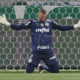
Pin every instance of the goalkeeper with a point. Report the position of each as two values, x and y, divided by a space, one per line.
41 33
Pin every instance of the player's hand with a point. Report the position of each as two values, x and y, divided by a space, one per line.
77 25
4 21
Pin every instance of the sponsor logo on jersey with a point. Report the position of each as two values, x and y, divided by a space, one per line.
43 47
42 30
42 25
47 24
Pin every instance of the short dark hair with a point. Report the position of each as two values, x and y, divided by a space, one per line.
43 11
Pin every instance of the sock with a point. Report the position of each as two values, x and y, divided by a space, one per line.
43 67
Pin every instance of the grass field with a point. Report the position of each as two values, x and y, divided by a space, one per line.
37 76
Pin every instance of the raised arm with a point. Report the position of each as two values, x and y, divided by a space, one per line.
4 21
64 28
21 26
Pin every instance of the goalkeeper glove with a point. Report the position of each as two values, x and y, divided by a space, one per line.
4 21
77 25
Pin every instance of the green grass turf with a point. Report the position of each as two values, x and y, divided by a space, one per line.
38 76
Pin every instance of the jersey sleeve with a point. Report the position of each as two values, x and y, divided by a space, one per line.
60 27
21 26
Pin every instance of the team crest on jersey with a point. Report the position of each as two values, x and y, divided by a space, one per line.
47 24
42 25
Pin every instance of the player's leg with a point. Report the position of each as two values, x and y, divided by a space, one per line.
54 68
33 62
50 68
30 68
51 62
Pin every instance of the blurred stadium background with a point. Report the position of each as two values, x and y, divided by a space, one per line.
15 46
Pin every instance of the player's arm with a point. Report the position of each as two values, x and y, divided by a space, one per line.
21 26
4 21
64 28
